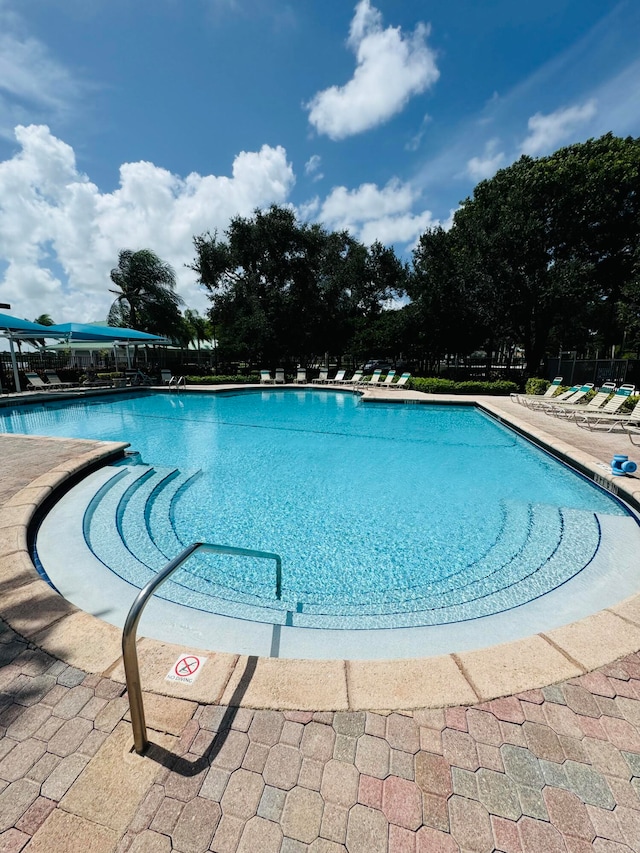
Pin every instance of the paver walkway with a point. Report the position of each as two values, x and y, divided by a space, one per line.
556 769
549 770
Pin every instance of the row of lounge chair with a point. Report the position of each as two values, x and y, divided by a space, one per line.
602 410
339 379
53 383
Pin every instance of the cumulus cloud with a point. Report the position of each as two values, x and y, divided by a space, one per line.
60 236
371 213
390 68
547 132
479 168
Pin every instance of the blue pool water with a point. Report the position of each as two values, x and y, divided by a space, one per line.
385 515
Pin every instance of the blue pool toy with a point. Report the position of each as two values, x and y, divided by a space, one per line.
621 465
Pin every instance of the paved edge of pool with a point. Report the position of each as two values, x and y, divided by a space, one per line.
39 614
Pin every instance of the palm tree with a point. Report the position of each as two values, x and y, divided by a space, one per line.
44 320
199 327
146 297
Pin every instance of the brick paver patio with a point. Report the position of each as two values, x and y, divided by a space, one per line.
546 770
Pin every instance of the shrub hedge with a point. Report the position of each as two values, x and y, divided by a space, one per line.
253 379
535 385
432 385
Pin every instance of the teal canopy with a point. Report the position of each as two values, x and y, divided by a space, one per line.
105 334
25 329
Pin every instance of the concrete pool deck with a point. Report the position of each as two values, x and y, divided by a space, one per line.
530 746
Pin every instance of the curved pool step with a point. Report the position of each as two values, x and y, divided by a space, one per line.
133 512
100 522
159 514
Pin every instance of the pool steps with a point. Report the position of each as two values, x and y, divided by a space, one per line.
138 501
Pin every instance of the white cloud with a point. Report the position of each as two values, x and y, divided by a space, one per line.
312 168
370 213
60 236
479 168
32 81
546 132
390 68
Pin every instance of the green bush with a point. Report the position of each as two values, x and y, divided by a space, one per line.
629 403
536 386
432 385
254 379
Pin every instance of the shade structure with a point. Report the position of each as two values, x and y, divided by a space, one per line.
107 334
25 329
14 328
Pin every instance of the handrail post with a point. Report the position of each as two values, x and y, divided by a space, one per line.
129 650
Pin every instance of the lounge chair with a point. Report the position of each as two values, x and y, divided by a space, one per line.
388 379
629 420
266 378
550 392
337 379
37 384
373 380
322 377
356 379
166 376
53 379
574 402
402 381
279 380
572 406
610 409
301 376
535 401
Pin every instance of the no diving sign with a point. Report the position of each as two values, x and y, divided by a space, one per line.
186 669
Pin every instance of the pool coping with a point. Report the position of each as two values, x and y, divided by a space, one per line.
39 614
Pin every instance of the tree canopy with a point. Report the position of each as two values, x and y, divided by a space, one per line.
543 250
281 290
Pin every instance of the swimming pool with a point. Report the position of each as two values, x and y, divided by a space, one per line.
387 517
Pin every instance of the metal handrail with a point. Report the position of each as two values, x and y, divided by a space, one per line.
177 381
129 651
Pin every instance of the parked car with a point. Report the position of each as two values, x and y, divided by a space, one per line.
377 364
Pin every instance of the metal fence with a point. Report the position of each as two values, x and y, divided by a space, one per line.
576 371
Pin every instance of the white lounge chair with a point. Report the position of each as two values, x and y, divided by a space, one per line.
266 378
337 379
535 401
322 377
54 379
355 379
402 381
279 380
630 420
603 415
551 390
37 384
301 376
572 407
373 380
388 379
574 402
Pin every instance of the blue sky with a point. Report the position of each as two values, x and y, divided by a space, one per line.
137 124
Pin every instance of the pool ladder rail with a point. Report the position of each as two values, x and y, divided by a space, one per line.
177 382
129 650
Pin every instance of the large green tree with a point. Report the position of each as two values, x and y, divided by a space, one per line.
146 297
284 291
548 243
